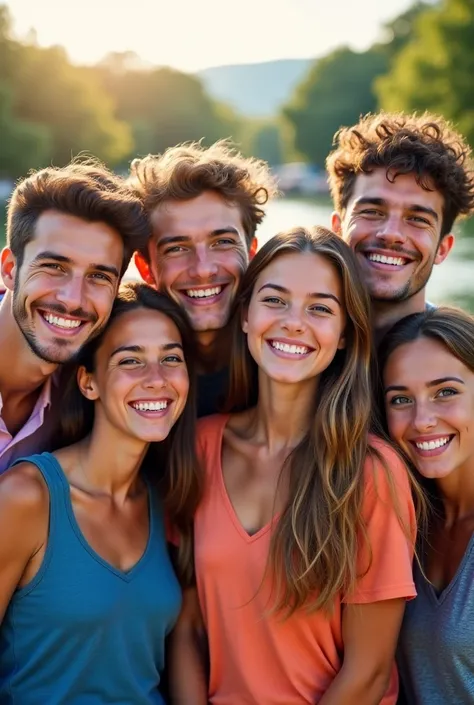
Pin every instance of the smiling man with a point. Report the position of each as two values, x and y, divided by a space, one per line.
204 206
398 184
70 235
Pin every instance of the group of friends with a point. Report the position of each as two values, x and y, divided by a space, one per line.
308 539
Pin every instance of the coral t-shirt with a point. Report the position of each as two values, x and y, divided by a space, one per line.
262 659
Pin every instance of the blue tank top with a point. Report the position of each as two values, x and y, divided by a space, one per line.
83 632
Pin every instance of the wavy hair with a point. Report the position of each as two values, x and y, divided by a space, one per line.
180 479
424 145
189 169
314 545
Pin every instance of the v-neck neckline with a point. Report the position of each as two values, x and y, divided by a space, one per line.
440 597
248 538
125 575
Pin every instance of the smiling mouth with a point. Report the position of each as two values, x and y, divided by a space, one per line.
60 323
290 349
204 293
150 407
394 261
433 446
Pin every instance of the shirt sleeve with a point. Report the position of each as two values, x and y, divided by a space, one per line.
385 556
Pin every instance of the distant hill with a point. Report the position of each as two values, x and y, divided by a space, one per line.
257 90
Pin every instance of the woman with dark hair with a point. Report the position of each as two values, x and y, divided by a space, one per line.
304 536
87 590
427 361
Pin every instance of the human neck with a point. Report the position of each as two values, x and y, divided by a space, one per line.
213 350
283 413
386 313
457 494
108 463
29 372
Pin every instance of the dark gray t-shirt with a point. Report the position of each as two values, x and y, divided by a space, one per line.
436 647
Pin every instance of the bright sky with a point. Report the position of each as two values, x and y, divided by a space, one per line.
194 34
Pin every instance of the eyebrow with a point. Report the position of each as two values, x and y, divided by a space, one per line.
140 348
414 207
433 383
179 239
313 295
51 255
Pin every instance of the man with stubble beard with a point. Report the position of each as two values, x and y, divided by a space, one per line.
398 183
71 232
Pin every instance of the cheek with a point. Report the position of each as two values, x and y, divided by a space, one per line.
235 262
397 424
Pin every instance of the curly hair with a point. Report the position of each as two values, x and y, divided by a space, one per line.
189 169
424 145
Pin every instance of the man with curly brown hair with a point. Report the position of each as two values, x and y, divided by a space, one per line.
398 184
204 206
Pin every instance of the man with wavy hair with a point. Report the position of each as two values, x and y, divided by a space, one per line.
204 206
398 183
71 232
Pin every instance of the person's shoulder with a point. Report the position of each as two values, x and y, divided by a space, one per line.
23 490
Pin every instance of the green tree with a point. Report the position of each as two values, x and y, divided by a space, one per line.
435 70
336 91
25 145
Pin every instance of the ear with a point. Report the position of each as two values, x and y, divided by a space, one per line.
444 248
8 268
144 268
253 248
86 384
245 321
342 342
336 223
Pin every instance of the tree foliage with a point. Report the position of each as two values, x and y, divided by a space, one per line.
435 70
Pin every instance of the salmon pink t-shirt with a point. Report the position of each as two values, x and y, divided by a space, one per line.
262 659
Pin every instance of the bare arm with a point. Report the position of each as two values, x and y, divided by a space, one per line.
370 633
24 516
188 681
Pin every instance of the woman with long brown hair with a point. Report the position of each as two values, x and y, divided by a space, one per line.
304 536
87 590
427 361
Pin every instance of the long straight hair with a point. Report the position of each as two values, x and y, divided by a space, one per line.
314 544
172 464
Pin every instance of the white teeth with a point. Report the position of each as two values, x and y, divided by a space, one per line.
373 257
203 293
61 322
150 405
431 445
292 349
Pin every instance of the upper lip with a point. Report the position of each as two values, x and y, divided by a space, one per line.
387 253
66 316
427 439
290 341
142 400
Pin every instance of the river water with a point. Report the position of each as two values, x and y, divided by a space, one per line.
451 282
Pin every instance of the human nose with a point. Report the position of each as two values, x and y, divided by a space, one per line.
392 231
203 266
424 417
155 377
293 321
71 293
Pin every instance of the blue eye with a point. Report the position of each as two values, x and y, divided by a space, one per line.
398 401
446 392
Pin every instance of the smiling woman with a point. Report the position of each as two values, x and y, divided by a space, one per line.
294 485
430 412
84 563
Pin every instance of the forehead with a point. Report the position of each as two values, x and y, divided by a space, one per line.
403 190
79 240
144 327
302 272
407 365
196 217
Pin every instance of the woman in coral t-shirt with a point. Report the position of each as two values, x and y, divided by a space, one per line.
304 536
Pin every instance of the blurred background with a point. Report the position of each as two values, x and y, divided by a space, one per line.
278 77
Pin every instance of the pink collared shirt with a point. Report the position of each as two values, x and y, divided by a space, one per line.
34 436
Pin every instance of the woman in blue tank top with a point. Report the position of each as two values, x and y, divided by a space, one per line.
87 590
428 373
